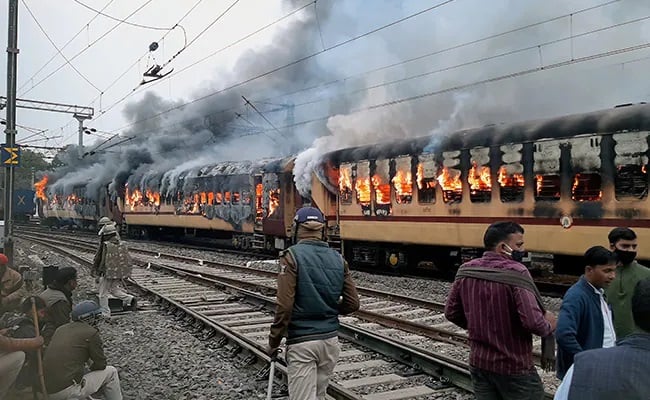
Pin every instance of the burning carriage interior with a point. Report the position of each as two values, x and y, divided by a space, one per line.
597 157
242 188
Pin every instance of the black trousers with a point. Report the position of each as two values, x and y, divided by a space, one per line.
490 386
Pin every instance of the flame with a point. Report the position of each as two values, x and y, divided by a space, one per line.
153 197
219 197
539 180
40 188
643 169
514 180
479 178
345 181
362 186
403 183
204 198
449 182
429 183
259 202
274 201
382 190
580 190
236 197
211 198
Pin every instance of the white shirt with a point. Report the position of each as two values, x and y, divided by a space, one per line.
562 392
609 335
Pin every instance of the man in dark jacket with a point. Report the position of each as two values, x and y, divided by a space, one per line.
585 320
619 372
58 296
314 287
495 299
72 346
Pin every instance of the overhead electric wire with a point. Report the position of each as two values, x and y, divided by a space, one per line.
57 47
477 61
63 47
100 12
140 88
201 33
337 45
86 48
455 88
437 52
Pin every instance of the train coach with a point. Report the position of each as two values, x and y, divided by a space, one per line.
425 203
247 204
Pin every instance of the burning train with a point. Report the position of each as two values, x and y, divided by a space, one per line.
425 202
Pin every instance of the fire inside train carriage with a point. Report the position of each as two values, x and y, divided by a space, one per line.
418 204
75 207
247 204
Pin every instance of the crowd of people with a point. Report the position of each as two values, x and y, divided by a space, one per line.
602 331
599 343
50 344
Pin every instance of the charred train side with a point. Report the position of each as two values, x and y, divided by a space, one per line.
418 204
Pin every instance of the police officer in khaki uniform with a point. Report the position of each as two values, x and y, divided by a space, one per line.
112 264
314 287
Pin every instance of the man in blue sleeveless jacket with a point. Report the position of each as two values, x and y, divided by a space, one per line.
314 287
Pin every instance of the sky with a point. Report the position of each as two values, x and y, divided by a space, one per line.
335 73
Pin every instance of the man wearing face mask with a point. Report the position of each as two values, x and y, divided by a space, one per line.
623 242
495 299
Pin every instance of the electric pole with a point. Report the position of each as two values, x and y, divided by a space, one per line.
81 118
12 61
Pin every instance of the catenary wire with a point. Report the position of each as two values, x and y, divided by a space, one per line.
85 48
337 45
62 48
57 47
100 12
462 64
139 88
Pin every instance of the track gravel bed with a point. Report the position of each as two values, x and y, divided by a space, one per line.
156 358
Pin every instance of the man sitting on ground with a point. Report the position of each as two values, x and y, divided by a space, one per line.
72 346
58 296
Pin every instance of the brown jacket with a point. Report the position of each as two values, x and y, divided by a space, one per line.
286 294
11 294
72 346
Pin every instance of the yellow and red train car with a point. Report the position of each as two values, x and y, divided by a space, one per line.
423 203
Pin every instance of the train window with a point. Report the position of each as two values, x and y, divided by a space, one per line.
381 186
245 197
218 198
631 182
236 197
227 198
586 187
547 188
511 185
452 187
274 203
204 198
403 180
345 183
480 183
426 178
362 183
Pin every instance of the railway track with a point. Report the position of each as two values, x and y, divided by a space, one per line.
415 323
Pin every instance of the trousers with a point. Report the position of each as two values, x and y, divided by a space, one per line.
491 386
310 365
107 381
111 287
10 365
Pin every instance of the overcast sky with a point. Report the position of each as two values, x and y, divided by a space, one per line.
584 86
